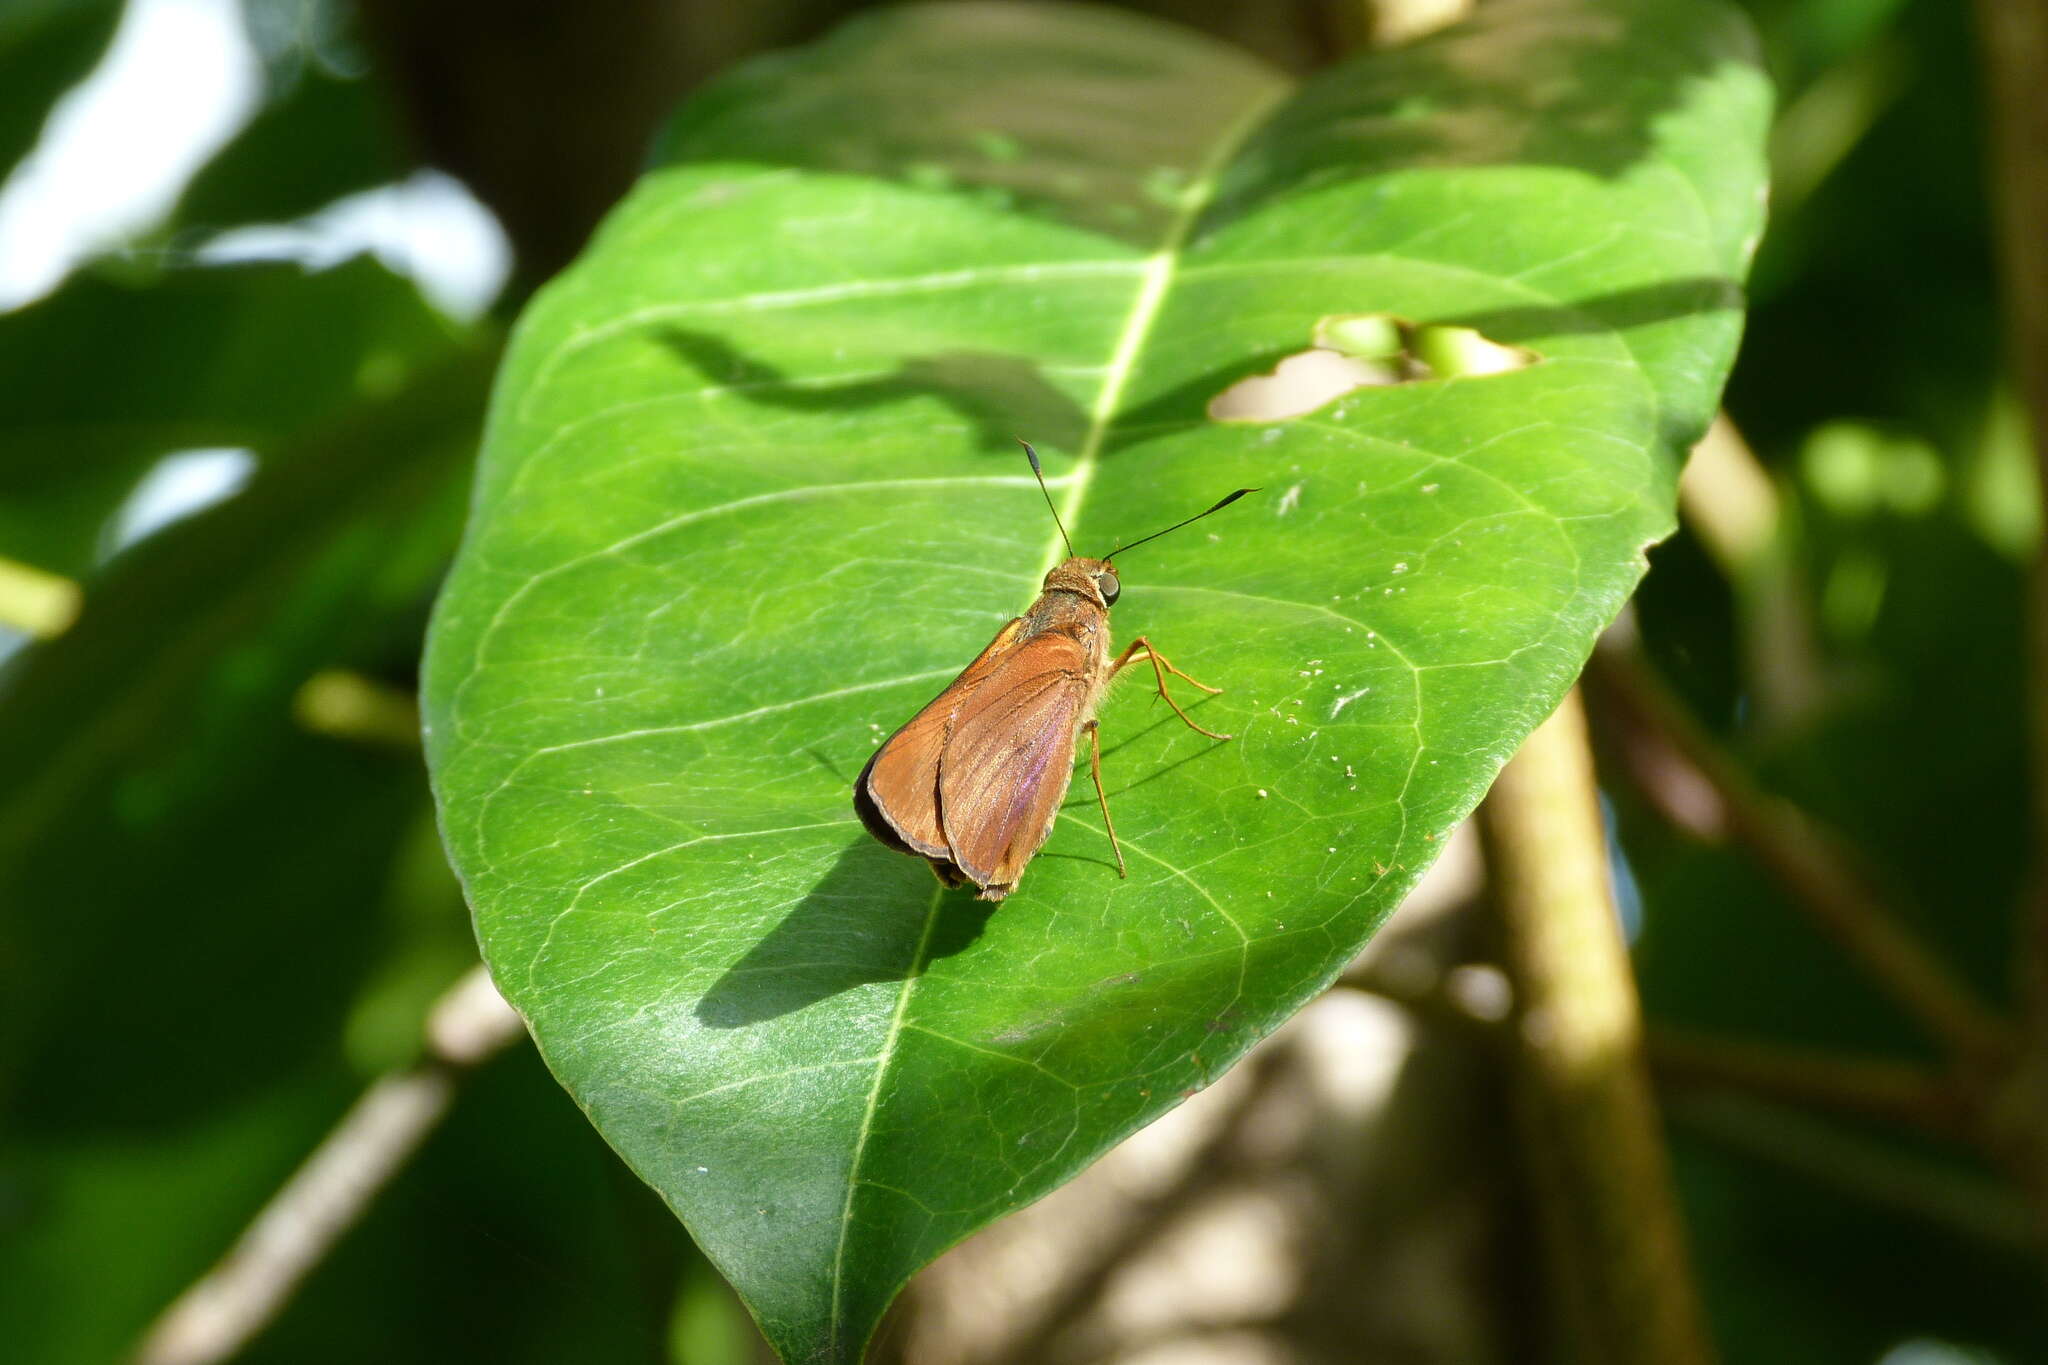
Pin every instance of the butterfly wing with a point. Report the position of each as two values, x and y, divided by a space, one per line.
1008 758
897 793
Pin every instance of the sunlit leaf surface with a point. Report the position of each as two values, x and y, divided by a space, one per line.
751 496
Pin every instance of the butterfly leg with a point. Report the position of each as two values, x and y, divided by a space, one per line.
1160 668
1095 771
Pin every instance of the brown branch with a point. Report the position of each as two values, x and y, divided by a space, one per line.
1699 786
2014 39
1470 998
1859 1087
2014 42
1601 1176
1876 1172
225 1309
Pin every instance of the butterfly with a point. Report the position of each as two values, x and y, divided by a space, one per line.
974 781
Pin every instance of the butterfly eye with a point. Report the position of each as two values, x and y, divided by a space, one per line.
1106 581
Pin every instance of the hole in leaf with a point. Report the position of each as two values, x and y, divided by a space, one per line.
1352 351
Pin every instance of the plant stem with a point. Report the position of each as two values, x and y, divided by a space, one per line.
347 705
35 602
1879 1173
1861 1087
1393 22
1699 786
224 1309
2014 43
1602 1177
1729 501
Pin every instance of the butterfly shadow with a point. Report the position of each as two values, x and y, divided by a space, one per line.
861 923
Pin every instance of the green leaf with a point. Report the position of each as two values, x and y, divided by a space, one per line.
139 744
104 1228
231 356
46 47
750 497
326 128
578 1267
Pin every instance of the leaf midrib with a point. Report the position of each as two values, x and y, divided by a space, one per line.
1158 275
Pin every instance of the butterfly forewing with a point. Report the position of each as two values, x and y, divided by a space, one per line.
897 794
1009 756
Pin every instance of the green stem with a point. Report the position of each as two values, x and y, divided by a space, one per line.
36 602
1731 504
1601 1174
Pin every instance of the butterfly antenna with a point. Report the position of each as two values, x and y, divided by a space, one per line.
1032 456
1220 505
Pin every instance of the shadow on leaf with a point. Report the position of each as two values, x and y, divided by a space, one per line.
861 923
1612 313
1620 310
1001 395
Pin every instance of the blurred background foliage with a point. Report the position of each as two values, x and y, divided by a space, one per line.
255 263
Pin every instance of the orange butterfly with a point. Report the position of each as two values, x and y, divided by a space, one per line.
974 781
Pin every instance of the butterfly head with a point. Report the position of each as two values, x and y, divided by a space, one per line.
1094 579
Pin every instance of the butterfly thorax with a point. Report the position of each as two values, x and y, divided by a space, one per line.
1075 603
